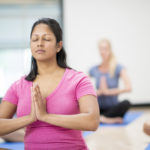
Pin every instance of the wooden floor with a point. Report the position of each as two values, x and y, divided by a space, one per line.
129 137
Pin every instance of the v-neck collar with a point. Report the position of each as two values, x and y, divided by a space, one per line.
58 86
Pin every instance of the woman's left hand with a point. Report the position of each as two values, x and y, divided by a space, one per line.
40 103
103 86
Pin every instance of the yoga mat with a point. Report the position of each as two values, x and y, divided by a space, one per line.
12 145
128 118
148 147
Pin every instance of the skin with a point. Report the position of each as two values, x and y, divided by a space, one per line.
146 128
17 136
88 119
105 52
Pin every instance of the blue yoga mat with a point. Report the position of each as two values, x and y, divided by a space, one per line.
148 147
12 145
128 118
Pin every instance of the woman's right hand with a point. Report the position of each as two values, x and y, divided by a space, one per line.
102 87
99 92
32 113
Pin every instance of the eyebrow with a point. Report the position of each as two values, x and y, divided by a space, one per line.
43 34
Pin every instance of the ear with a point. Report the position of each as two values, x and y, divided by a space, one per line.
59 46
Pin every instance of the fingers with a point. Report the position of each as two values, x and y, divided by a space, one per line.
37 90
32 95
103 79
37 95
103 83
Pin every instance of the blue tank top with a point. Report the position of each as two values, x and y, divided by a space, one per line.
106 102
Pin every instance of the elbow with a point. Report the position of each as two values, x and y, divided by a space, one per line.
94 124
129 89
1 134
95 127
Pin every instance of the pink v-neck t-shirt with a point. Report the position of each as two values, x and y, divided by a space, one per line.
63 100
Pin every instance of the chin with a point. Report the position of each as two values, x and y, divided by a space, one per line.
40 58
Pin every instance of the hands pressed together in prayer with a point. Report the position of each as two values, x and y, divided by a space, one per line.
38 104
103 88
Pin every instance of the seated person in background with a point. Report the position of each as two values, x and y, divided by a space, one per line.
107 76
146 127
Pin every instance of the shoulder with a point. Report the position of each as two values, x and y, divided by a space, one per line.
14 91
76 75
20 82
93 70
119 68
81 82
76 78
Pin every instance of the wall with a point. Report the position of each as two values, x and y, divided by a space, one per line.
126 23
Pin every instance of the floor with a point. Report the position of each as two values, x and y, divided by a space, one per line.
129 137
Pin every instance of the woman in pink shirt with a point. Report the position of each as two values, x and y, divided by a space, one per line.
53 102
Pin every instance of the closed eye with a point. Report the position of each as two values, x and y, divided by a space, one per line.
34 40
46 40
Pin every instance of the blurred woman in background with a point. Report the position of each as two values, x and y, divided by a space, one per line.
107 75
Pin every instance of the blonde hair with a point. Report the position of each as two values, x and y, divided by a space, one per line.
112 59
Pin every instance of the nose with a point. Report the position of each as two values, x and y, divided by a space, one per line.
40 43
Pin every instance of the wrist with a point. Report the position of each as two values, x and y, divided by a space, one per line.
31 119
43 117
98 92
106 92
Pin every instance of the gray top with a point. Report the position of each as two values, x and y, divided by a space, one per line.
106 102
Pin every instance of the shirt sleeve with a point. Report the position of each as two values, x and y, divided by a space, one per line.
91 71
11 94
119 68
84 87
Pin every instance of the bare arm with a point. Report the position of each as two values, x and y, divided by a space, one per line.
9 124
87 119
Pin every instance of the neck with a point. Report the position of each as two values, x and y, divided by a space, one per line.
47 67
105 64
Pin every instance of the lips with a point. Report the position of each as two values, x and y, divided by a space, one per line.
40 51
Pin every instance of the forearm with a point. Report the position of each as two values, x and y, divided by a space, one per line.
110 92
16 136
116 91
9 125
82 121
